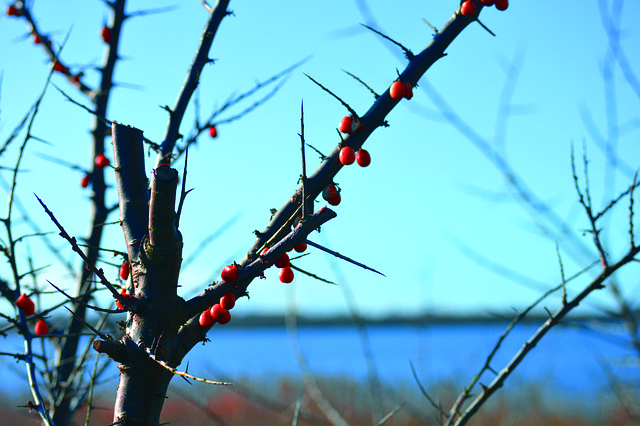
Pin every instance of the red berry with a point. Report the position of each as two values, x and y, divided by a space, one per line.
41 328
102 161
22 301
229 273
12 11
124 271
345 124
468 8
213 132
408 91
329 192
363 158
502 4
106 34
26 304
206 320
36 38
85 181
286 275
487 2
228 301
123 292
59 68
397 90
220 314
335 200
347 156
225 317
300 247
283 261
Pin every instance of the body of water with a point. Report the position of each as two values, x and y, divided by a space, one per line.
571 362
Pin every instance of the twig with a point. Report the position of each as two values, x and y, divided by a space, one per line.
322 156
77 300
76 248
338 255
309 274
633 187
375 95
183 191
410 56
424 392
390 415
485 27
90 327
346 105
596 284
185 374
564 289
304 163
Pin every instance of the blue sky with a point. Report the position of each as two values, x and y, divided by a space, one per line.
428 190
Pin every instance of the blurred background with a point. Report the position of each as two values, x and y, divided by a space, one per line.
467 206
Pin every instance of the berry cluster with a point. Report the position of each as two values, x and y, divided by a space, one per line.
29 308
331 194
219 312
399 90
468 8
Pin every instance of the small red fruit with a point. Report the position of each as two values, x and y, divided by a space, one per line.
36 38
102 161
124 271
283 261
85 181
41 328
228 301
335 200
229 273
213 132
346 124
300 247
225 317
363 158
329 192
502 4
487 2
59 68
468 8
106 34
206 320
12 11
220 314
286 275
26 304
408 91
397 90
124 294
347 156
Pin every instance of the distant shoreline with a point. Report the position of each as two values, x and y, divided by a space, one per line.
255 321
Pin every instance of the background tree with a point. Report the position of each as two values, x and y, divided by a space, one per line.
153 243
